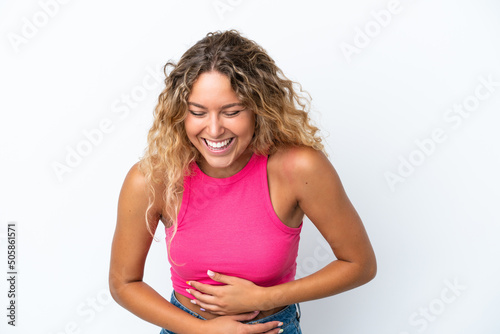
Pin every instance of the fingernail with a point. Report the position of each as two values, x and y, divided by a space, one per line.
193 301
210 273
188 283
201 308
188 291
281 331
280 324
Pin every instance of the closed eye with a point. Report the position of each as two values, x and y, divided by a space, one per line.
233 113
197 113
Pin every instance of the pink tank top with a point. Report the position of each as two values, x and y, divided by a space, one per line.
229 226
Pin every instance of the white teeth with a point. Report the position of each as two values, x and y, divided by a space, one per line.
213 144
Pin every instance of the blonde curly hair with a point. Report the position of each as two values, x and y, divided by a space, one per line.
281 111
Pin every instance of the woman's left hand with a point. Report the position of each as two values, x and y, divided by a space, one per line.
237 296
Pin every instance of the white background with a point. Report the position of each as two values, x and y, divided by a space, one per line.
436 226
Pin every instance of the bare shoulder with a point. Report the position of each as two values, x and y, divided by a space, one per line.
136 191
135 183
304 171
299 161
135 180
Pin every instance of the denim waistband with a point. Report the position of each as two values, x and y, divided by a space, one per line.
289 313
177 303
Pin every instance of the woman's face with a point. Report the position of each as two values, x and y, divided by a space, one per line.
218 125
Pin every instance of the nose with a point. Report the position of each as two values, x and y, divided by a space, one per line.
215 126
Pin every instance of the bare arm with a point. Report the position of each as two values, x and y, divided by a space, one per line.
129 250
131 243
319 193
322 198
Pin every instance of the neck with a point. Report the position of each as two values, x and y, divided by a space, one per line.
228 171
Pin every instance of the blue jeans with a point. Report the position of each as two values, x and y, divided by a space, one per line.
289 316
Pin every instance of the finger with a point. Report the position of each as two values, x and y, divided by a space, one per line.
267 327
245 316
211 308
278 330
221 312
202 298
219 277
205 288
206 306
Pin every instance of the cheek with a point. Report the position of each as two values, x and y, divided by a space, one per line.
247 128
190 127
245 133
251 133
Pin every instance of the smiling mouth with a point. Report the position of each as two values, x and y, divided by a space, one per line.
218 145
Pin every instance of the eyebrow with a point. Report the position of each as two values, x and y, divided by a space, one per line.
223 107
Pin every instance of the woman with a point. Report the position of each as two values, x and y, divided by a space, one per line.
232 166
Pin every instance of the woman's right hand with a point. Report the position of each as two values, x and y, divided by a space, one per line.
230 324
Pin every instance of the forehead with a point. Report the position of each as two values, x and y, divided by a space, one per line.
212 89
